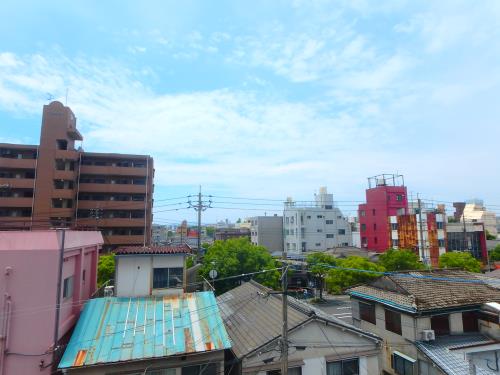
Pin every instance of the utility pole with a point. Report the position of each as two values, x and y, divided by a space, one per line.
58 294
199 206
421 228
284 333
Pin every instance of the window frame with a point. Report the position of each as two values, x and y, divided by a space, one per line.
342 363
405 359
367 313
395 326
165 282
68 287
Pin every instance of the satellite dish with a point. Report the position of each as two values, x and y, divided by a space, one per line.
212 274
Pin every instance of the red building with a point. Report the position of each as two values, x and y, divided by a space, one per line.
386 196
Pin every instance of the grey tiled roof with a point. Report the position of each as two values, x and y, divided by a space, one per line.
441 353
429 290
253 318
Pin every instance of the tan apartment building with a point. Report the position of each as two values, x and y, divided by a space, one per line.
57 184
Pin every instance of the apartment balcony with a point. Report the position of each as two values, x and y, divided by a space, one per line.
63 194
56 212
15 222
111 205
64 175
17 183
16 202
124 240
113 171
67 154
112 188
17 163
111 222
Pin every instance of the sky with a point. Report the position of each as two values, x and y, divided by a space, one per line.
266 99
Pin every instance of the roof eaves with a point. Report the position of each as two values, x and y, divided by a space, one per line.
385 302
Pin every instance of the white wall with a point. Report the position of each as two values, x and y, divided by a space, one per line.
134 273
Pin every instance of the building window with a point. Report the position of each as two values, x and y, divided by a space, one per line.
441 243
68 287
318 244
373 212
292 219
168 277
363 227
287 220
62 144
395 243
329 235
375 240
362 213
328 207
441 325
367 312
319 230
308 216
207 369
345 367
439 225
319 216
291 371
393 321
341 231
329 221
399 197
374 226
403 365
394 226
470 321
364 241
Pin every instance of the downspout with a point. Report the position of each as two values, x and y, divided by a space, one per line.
58 294
78 188
34 186
4 332
146 202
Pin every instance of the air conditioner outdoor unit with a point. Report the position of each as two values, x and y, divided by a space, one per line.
428 335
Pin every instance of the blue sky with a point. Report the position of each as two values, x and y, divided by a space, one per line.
267 99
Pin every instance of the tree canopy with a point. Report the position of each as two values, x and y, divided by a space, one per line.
459 260
237 256
400 260
495 253
337 279
105 269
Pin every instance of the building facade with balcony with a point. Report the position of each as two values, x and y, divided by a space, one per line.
33 330
57 184
386 196
314 226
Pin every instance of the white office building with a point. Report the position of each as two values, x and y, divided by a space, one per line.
314 226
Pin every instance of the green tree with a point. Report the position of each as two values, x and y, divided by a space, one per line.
400 260
490 236
339 279
105 269
237 256
459 260
495 253
318 264
210 231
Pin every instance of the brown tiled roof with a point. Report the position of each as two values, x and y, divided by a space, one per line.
174 249
429 290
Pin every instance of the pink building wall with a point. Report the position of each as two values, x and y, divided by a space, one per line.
29 264
381 202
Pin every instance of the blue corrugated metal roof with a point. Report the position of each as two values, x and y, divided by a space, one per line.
115 329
